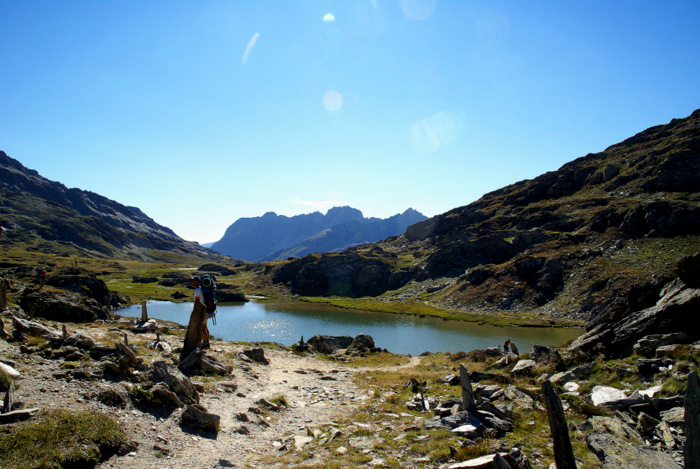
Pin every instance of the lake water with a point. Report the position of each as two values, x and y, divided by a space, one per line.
286 322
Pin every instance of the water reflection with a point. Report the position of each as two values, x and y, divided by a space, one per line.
286 322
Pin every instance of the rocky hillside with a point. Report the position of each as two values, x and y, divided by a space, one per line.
600 234
46 216
274 237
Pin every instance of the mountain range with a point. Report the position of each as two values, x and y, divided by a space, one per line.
275 237
595 239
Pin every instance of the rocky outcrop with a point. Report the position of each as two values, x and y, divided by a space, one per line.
327 274
64 306
675 311
86 283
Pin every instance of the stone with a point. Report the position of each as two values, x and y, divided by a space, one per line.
548 356
196 416
149 325
571 387
646 423
563 451
676 308
362 343
36 329
616 453
562 377
63 306
10 371
17 415
175 380
468 402
688 270
162 392
484 462
647 345
674 416
691 449
257 355
652 366
615 426
663 431
524 368
80 340
651 392
329 344
603 394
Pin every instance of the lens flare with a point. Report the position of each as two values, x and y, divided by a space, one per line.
328 18
332 100
249 49
418 10
437 131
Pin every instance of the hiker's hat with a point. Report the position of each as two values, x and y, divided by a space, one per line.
196 278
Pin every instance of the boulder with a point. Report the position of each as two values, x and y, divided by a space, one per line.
548 356
524 368
604 394
10 371
196 416
149 325
36 329
256 355
486 462
647 345
615 452
615 426
62 306
84 283
178 383
80 340
328 344
362 343
688 270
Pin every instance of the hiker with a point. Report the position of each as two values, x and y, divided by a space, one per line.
506 345
41 275
196 282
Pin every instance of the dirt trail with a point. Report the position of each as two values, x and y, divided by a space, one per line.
317 393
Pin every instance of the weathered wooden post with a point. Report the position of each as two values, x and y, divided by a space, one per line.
144 311
468 402
563 452
691 449
3 294
195 328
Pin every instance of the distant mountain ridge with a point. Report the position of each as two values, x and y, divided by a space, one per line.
35 208
274 237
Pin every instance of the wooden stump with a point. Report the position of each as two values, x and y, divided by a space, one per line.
195 329
563 452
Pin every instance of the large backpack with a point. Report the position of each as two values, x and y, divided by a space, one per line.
208 286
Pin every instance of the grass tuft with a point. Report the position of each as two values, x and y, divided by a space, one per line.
60 438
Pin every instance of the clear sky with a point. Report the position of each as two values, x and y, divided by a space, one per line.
203 112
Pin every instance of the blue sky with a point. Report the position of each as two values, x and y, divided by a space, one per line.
203 112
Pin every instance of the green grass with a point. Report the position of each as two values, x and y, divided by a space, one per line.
60 438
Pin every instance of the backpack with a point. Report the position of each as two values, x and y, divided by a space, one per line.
208 286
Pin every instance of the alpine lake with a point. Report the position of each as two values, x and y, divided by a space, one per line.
286 322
